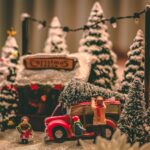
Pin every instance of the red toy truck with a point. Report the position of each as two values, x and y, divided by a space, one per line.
59 126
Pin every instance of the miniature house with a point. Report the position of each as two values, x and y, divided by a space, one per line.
41 78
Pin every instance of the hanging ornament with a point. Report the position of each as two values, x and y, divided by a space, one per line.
8 87
113 22
11 32
34 87
43 98
58 87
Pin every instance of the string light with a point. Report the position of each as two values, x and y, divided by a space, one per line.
136 17
111 20
42 25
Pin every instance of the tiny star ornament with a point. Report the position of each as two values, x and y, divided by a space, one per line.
11 32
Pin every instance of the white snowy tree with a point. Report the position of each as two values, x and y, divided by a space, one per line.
8 95
56 42
132 118
134 63
95 41
10 48
10 54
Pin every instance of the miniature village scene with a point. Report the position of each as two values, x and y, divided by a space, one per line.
63 100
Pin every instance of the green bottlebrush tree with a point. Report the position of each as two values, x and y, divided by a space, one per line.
132 118
77 91
147 124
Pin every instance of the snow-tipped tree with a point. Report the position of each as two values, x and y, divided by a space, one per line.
132 118
77 91
9 103
95 41
56 42
8 96
140 73
134 63
10 55
10 49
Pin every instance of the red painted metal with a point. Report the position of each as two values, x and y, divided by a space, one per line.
65 122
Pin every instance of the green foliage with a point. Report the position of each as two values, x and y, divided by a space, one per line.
133 115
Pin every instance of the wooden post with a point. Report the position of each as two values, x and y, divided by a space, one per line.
147 55
25 23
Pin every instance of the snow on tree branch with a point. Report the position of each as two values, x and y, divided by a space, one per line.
56 42
78 91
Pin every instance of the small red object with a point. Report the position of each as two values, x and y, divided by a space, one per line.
34 87
43 98
8 87
59 127
58 87
26 134
75 118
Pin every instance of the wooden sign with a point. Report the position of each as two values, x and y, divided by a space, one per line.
37 63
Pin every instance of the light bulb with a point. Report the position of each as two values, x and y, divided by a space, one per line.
136 20
136 17
40 26
113 22
114 25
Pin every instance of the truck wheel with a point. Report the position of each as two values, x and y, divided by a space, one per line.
109 132
59 133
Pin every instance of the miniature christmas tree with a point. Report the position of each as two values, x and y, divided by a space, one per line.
132 119
10 49
9 103
8 94
95 41
135 61
56 42
10 54
79 91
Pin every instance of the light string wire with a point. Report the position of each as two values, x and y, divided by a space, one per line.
111 20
